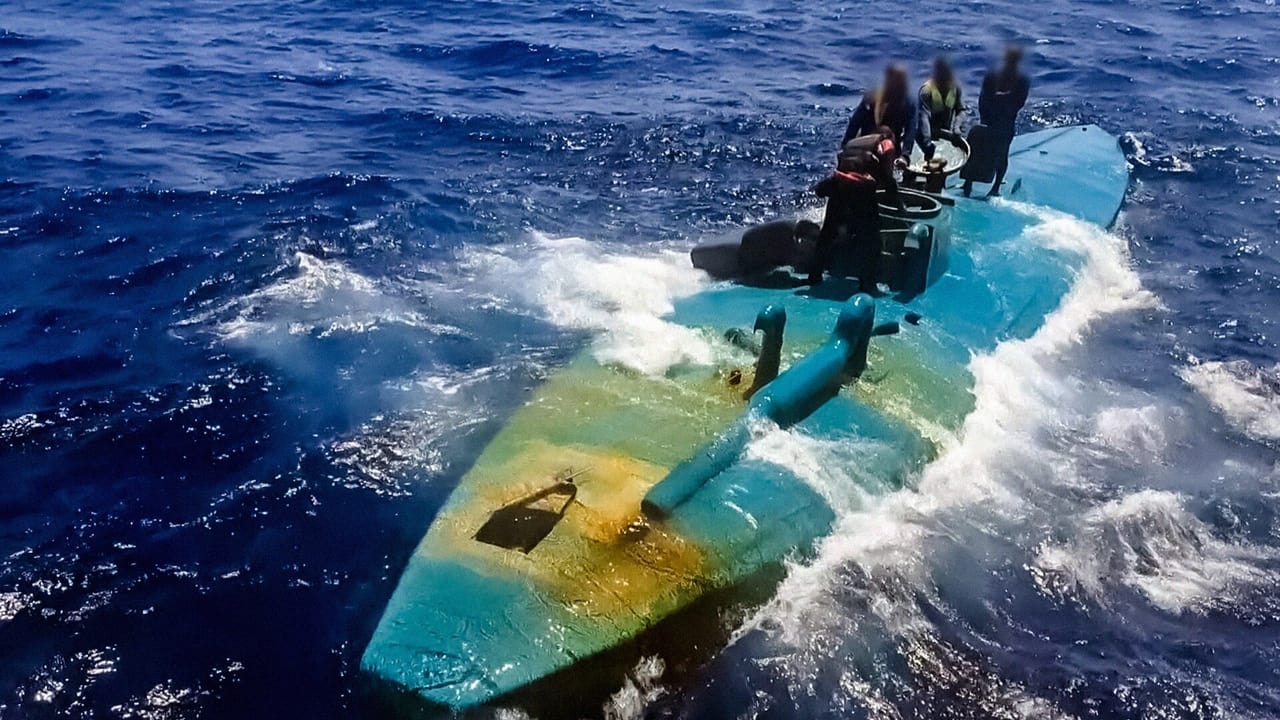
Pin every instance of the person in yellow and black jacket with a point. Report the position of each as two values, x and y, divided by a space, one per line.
941 103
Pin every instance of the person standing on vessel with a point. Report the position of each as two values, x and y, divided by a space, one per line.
941 103
1004 93
864 166
893 106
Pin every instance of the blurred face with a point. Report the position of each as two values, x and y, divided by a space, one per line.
942 72
895 81
1012 58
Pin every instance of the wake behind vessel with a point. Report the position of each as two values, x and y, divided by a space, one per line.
615 499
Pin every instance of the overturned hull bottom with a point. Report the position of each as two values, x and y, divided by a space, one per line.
618 515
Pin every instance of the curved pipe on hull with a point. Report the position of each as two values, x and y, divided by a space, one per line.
771 321
790 398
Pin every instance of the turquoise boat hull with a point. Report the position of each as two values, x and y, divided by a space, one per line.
543 558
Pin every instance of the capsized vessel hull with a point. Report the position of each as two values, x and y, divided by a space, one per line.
542 558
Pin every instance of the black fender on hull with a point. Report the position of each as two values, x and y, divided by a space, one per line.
758 251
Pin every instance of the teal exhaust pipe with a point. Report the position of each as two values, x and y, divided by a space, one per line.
785 401
771 322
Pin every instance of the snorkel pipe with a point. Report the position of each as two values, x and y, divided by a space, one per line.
771 322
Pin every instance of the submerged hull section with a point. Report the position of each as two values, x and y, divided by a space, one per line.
542 557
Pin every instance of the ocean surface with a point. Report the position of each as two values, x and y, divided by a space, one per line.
272 273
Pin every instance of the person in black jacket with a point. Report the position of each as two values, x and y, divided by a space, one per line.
852 217
893 106
1004 92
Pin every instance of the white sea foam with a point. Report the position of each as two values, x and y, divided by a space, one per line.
423 409
1248 396
572 282
17 428
1139 433
577 283
642 687
12 603
1148 541
835 469
321 297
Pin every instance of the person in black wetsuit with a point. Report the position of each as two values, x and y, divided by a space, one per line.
891 106
1004 92
852 217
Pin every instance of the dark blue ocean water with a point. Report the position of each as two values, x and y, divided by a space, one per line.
251 335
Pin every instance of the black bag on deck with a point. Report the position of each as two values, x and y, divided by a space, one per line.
983 150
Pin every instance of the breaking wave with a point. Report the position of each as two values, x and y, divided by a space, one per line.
620 296
1248 396
641 687
317 297
1148 541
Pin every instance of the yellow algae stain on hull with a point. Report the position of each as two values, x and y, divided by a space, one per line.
907 382
602 572
601 559
656 419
